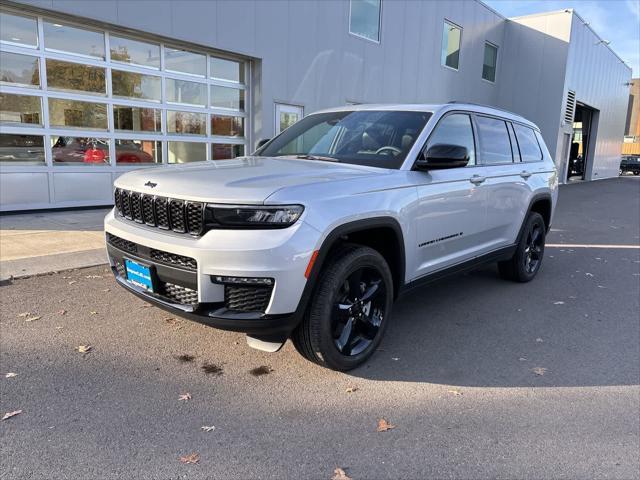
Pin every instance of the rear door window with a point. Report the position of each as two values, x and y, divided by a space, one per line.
529 147
495 146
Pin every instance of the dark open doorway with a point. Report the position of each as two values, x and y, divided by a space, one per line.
582 143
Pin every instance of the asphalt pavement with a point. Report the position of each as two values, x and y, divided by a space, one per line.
481 378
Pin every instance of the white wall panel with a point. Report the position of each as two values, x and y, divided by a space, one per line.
82 186
23 188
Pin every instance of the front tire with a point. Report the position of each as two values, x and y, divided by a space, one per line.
526 261
349 310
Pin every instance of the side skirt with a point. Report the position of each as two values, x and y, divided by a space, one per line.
504 253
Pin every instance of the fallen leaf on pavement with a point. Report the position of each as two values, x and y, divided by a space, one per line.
24 314
455 393
62 312
351 389
340 474
522 359
383 425
72 282
539 371
395 359
208 429
558 303
93 312
185 396
11 414
106 290
84 348
32 319
11 375
192 458
539 340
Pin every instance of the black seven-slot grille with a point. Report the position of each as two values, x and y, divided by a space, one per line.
159 256
166 213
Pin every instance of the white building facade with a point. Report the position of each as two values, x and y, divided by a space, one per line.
89 90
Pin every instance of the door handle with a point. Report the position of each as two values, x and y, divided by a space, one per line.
524 174
477 179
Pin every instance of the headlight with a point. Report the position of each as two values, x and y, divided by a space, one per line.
240 216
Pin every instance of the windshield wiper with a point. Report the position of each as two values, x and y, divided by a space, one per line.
317 157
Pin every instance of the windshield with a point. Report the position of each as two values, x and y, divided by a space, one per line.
365 137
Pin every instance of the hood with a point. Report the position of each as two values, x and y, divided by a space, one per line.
241 180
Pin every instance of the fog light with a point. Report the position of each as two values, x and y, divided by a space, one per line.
242 280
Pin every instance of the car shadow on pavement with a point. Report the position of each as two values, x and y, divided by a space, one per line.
480 331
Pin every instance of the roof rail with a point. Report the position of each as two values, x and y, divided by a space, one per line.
483 105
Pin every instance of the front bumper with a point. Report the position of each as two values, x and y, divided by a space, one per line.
281 255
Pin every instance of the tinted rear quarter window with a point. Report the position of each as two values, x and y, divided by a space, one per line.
495 146
529 147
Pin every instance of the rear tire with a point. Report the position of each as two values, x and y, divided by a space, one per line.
526 261
349 310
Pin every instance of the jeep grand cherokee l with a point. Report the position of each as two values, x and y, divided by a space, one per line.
314 236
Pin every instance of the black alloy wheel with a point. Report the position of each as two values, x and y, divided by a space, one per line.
358 311
534 248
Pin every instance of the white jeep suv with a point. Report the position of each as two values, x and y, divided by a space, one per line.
314 236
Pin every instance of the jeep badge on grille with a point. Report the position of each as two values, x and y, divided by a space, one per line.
150 184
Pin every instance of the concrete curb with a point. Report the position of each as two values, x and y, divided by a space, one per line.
26 267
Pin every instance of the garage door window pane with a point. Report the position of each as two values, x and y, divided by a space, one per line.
135 85
136 119
490 62
529 147
224 151
495 146
75 77
87 151
73 113
69 39
18 30
228 70
227 126
451 35
20 109
225 97
132 152
183 61
187 123
184 152
191 93
364 19
19 69
132 51
21 149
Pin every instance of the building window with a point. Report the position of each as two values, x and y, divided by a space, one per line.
364 19
226 151
21 70
135 85
227 70
184 152
126 50
64 38
136 119
88 151
77 114
186 93
75 77
188 123
182 61
287 115
451 36
490 62
133 152
18 149
26 109
226 126
18 30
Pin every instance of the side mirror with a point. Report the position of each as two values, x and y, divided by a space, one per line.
442 156
262 142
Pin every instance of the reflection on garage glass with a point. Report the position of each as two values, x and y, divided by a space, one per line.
21 149
79 150
138 151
